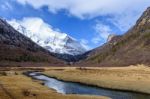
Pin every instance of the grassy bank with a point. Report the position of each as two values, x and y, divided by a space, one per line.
14 85
132 78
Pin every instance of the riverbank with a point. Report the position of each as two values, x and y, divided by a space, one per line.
14 85
132 78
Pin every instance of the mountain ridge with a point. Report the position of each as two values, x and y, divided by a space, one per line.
58 43
129 49
15 47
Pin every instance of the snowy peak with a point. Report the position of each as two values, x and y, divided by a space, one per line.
53 41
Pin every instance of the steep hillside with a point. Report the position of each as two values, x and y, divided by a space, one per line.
15 47
128 49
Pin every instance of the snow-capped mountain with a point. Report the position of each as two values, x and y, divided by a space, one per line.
55 42
15 49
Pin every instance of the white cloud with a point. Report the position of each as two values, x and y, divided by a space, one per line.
124 12
85 44
102 33
124 21
37 25
6 6
90 8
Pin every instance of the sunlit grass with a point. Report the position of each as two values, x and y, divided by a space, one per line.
14 85
133 78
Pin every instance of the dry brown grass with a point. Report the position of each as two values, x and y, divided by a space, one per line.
14 85
132 78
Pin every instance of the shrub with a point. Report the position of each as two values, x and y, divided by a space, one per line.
26 92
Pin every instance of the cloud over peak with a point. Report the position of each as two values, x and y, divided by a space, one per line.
114 16
37 25
102 33
123 13
35 28
90 8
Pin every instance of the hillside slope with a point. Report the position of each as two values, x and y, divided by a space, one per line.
15 47
131 48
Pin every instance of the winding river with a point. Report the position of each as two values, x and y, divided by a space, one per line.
77 88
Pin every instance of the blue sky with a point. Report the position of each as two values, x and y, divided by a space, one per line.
88 21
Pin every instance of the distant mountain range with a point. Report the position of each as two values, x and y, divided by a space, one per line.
18 44
129 49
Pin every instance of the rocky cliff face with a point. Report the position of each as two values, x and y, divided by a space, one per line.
131 48
144 22
110 37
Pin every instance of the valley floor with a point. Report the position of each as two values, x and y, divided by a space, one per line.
132 78
14 85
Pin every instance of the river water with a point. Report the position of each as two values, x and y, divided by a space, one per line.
77 88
